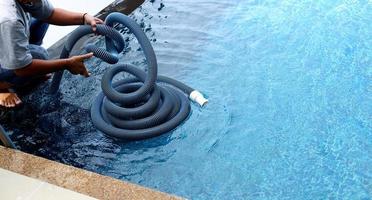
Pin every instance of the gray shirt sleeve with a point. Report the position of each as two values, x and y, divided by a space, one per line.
14 45
40 9
15 53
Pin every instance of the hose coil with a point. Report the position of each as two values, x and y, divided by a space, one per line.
133 108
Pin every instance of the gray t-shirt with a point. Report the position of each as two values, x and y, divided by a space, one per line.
14 33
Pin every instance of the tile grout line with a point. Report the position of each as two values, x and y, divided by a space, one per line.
34 191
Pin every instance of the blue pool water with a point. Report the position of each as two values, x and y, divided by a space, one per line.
290 111
289 117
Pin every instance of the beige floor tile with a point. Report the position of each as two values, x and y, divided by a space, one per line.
15 186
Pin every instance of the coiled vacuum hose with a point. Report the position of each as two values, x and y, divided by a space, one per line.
134 108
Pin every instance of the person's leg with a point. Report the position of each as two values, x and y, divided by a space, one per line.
38 30
38 52
27 83
8 98
9 80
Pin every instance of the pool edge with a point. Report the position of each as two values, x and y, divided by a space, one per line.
75 179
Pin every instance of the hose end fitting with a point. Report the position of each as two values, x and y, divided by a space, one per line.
198 97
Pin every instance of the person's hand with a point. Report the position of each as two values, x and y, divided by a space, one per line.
76 64
92 21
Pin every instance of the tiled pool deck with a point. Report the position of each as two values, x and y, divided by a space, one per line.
17 186
71 178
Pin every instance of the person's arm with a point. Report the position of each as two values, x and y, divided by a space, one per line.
15 54
64 18
73 64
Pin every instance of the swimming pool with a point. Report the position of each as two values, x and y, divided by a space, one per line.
289 114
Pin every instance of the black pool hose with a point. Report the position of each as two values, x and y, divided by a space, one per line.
4 138
133 108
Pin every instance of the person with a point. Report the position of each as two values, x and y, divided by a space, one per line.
23 24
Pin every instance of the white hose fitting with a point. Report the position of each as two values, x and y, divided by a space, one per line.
198 97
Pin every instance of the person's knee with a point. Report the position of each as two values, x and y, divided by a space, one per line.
38 30
10 79
38 52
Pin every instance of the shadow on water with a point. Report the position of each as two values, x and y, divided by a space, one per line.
49 127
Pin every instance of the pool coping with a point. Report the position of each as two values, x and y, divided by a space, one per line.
75 179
